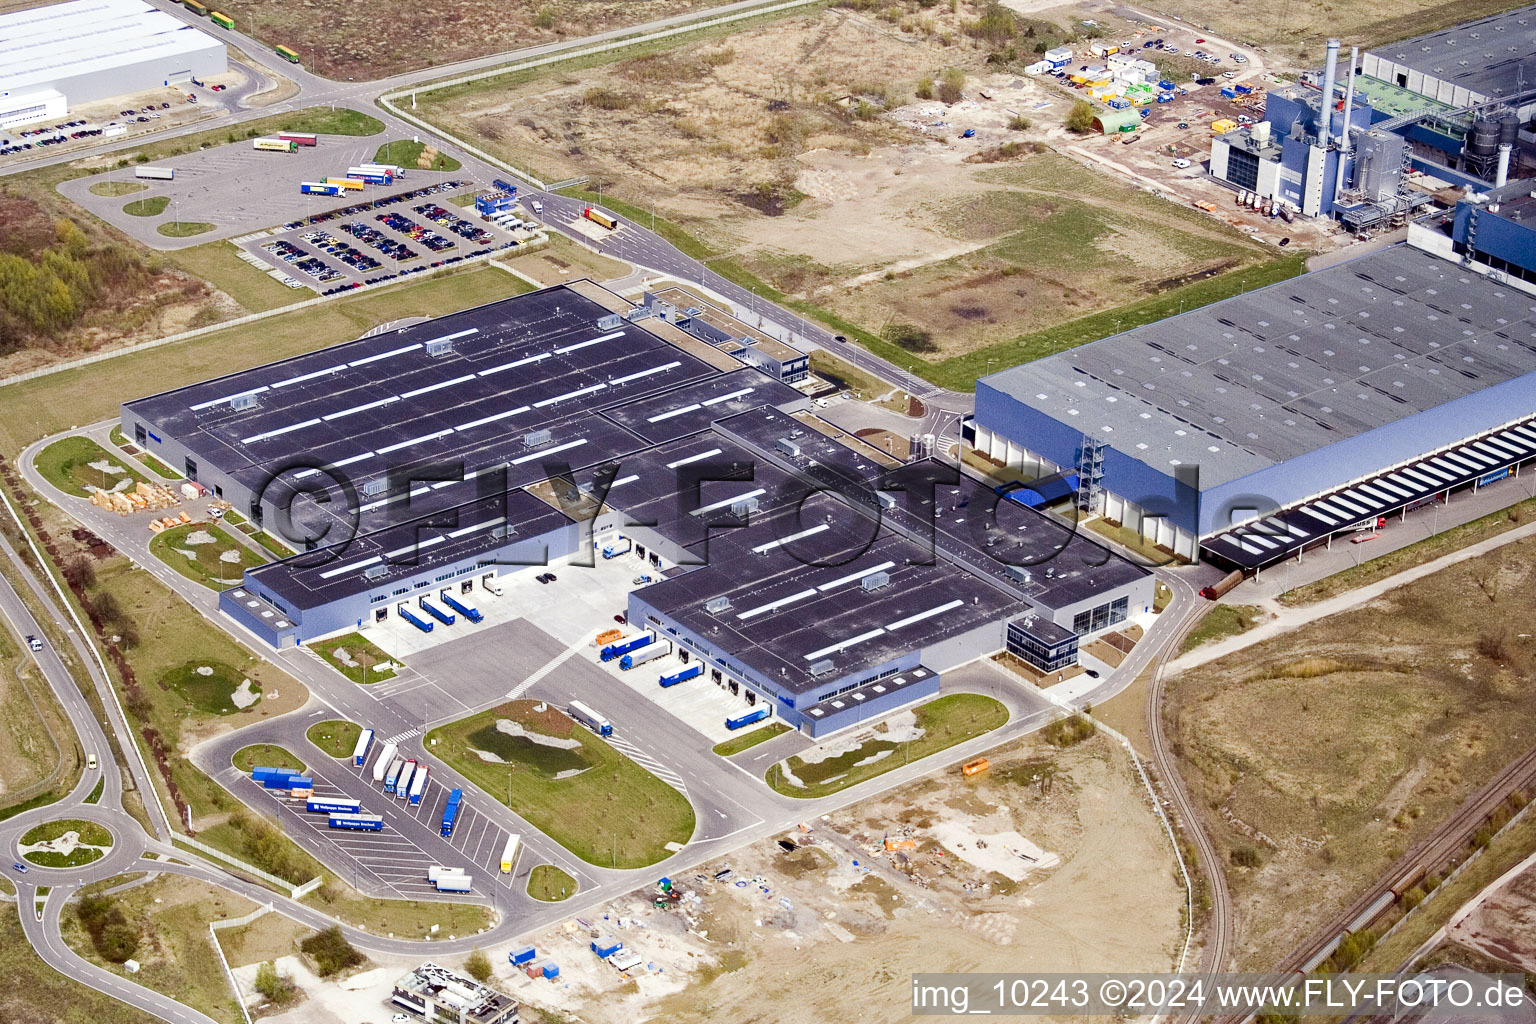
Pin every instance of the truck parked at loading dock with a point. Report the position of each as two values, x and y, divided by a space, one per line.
472 614
622 647
741 721
614 549
434 611
405 613
651 651
691 672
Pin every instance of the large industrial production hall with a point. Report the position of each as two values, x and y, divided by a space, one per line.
800 566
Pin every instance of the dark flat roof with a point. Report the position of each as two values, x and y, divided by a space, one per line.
1483 56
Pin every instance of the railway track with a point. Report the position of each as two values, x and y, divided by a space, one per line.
1220 928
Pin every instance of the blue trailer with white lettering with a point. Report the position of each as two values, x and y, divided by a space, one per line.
360 752
472 614
691 672
357 822
405 613
434 611
333 805
451 812
741 721
622 647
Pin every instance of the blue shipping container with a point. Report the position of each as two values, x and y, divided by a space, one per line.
686 674
606 945
551 970
747 719
521 955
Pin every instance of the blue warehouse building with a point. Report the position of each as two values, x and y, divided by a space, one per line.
1247 430
805 569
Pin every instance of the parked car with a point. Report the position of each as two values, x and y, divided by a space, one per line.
33 643
1180 163
620 619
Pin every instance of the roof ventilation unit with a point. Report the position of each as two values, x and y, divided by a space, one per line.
822 668
501 531
375 486
638 313
716 605
374 572
789 447
240 403
609 322
743 507
875 580
534 438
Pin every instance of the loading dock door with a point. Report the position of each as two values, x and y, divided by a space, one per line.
467 586
655 559
380 614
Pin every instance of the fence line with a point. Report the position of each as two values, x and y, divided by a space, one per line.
266 876
239 922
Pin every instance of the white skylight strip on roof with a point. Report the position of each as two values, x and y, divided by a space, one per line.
726 398
693 458
453 337
1473 462
1421 479
414 546
548 451
1334 510
1510 444
1356 500
570 394
819 528
353 458
1290 528
1381 496
415 440
844 645
310 376
227 398
491 419
1392 488
360 408
1446 466
385 355
478 526
1493 449
1526 430
350 567
854 577
674 412
621 481
1259 538
764 609
590 341
920 616
1325 520
438 386
726 502
279 431
415 492
1434 472
663 368
514 363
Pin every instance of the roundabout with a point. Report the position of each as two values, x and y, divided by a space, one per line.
65 843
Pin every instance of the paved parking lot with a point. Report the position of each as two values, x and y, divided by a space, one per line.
239 189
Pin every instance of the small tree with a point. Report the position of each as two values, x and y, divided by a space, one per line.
925 88
479 966
1080 117
952 88
277 989
331 951
1019 123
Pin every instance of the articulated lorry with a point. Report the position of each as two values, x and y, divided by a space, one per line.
649 652
691 672
406 614
619 648
751 717
451 813
381 766
434 611
472 614
614 549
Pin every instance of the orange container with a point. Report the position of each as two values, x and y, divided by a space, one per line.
608 636
981 764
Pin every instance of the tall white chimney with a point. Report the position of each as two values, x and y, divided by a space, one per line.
1330 73
1345 160
1502 177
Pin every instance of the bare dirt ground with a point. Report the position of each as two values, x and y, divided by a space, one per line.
1504 925
362 42
802 149
1323 754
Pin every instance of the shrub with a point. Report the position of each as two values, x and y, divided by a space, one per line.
910 337
331 951
1019 123
277 989
996 25
479 966
952 88
114 939
1244 856
1067 732
606 99
1080 117
544 19
925 88
1412 898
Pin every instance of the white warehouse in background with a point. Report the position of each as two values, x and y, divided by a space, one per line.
57 57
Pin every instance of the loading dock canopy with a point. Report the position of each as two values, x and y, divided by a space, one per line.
1277 536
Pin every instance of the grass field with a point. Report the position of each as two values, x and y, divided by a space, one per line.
206 563
945 722
46 405
1222 621
94 797
612 812
1303 27
112 189
216 263
362 658
748 740
548 883
175 951
34 736
67 464
35 993
150 207
91 834
1427 550
184 228
266 755
1320 756
404 918
408 155
335 737
207 685
274 546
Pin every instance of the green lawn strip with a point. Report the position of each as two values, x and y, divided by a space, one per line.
66 463
1222 621
218 264
406 154
95 797
845 375
1393 562
75 858
336 737
234 518
549 884
41 800
89 831
148 206
115 435
960 372
945 722
159 467
272 544
54 403
206 565
612 812
736 744
184 228
364 655
209 686
266 755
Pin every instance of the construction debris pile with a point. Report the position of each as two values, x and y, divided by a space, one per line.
144 497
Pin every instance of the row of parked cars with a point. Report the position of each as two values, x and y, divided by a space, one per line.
377 204
397 251
335 248
458 225
425 236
